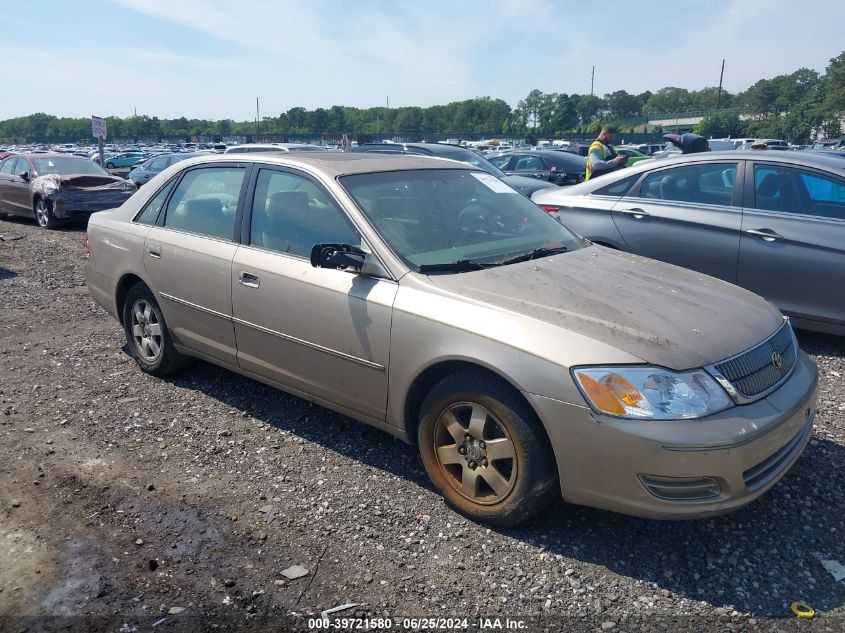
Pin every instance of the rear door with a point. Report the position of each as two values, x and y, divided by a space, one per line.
688 215
6 183
792 249
529 165
319 331
188 257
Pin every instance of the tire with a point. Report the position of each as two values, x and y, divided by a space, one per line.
44 214
109 165
462 419
147 335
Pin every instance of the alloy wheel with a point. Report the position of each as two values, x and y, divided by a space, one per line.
476 453
42 213
146 330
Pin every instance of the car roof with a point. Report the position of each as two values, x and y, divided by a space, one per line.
49 155
334 164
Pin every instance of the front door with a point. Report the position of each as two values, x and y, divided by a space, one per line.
322 332
188 258
18 195
792 249
688 215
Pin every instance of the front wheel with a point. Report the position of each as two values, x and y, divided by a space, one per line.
109 165
44 214
147 335
485 450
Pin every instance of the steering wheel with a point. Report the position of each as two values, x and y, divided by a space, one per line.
475 217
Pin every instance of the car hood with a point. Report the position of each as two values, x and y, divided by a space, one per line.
663 314
526 186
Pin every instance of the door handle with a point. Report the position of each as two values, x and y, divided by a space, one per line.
637 214
767 234
248 279
154 251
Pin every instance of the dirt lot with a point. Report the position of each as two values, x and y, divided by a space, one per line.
135 501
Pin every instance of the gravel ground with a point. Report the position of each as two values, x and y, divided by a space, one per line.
130 500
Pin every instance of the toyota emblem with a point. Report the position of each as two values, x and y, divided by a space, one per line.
777 360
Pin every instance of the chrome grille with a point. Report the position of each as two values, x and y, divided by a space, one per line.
754 372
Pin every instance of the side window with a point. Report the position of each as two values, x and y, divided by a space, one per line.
6 167
18 166
790 190
205 201
158 164
529 163
774 189
150 213
290 214
697 184
500 161
618 188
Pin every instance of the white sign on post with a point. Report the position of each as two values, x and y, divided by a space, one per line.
98 127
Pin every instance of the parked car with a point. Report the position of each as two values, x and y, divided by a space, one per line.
253 148
650 148
55 187
429 299
633 154
829 143
143 172
525 186
124 159
772 222
555 166
770 143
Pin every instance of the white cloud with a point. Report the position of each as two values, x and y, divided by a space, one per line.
326 52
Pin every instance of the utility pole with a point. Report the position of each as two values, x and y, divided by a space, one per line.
592 83
257 119
719 94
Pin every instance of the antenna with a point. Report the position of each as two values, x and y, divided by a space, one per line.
592 82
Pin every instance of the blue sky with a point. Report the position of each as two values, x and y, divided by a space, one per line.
212 58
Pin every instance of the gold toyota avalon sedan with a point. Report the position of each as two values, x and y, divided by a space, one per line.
429 299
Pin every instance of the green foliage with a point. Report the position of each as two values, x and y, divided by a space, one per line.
795 107
721 124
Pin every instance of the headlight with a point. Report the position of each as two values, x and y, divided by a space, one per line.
651 393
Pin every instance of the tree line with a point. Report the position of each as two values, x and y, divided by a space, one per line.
791 106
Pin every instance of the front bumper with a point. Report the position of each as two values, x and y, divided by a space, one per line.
71 204
605 462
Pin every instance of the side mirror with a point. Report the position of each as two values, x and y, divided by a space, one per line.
338 256
24 175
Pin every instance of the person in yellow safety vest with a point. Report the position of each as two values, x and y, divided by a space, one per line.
601 158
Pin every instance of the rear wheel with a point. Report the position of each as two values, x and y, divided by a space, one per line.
147 335
485 450
44 214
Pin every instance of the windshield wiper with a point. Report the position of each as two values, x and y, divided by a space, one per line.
535 254
462 265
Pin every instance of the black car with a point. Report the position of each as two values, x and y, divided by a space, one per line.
525 186
144 172
558 168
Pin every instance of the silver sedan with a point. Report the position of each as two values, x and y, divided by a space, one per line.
771 222
431 300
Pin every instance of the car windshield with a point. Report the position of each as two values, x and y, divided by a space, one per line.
65 165
446 216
